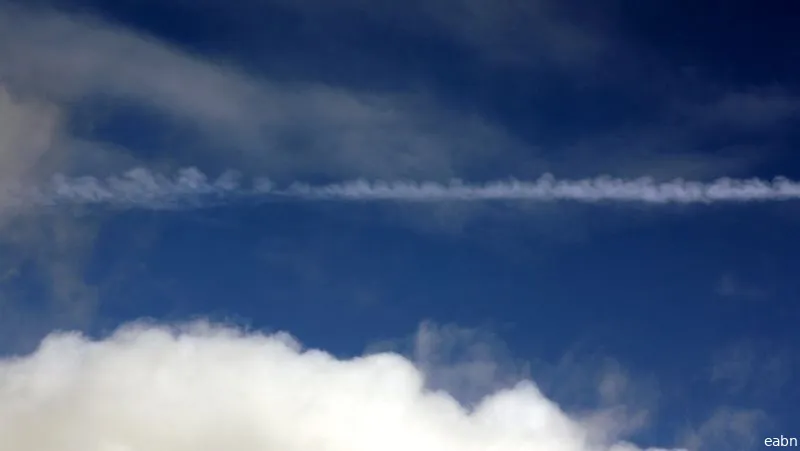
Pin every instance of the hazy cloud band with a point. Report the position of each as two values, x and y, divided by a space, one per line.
189 187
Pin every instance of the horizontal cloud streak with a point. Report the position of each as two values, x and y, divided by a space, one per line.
190 188
547 188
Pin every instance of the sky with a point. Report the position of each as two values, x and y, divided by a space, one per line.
448 225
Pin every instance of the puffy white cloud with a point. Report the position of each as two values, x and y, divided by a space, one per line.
203 387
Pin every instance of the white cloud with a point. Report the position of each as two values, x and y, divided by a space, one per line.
312 128
611 400
470 363
50 62
276 126
208 388
292 129
55 66
27 130
467 363
190 188
32 145
547 188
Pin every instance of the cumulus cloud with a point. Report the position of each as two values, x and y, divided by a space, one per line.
471 363
204 387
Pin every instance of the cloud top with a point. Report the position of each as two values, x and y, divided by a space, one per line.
204 387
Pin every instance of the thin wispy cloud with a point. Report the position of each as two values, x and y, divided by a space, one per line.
730 428
731 286
141 188
504 31
754 368
247 119
283 126
32 146
57 67
754 109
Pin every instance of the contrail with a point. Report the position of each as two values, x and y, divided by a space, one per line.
190 188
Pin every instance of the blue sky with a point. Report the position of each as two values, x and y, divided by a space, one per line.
668 324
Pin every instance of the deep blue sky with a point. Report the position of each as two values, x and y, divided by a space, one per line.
698 304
